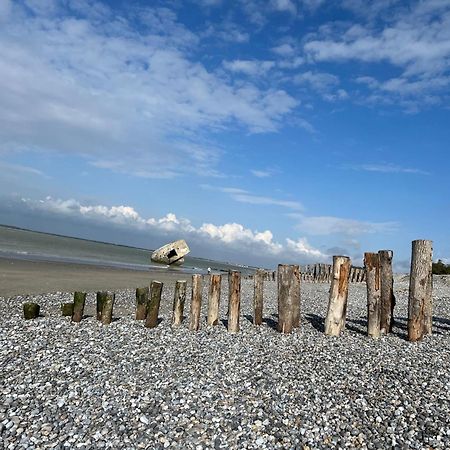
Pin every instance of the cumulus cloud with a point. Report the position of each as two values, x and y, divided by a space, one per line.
232 237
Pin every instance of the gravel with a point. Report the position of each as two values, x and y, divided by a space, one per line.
83 386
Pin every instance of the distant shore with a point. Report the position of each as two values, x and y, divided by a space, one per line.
24 277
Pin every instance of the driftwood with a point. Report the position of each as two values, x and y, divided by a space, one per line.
372 266
337 305
141 302
420 305
151 321
258 297
214 299
387 291
31 310
79 299
196 303
179 299
234 301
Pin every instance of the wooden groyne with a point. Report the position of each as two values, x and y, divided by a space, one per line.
377 274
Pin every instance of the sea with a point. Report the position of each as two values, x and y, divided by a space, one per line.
31 245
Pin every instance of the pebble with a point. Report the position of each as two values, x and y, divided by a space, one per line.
125 386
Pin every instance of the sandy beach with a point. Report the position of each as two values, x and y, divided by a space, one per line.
22 277
126 386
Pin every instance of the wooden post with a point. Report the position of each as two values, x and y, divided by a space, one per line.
337 305
387 291
420 305
372 268
196 303
67 309
359 277
31 311
108 305
179 299
79 298
288 297
151 321
101 298
141 302
234 301
214 299
258 293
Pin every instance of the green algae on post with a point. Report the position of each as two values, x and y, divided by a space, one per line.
31 310
66 309
79 298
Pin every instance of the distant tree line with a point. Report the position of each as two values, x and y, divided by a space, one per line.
439 268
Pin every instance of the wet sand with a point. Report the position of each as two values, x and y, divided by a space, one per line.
22 277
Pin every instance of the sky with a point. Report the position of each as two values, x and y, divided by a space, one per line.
262 132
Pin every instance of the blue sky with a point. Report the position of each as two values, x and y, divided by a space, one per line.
261 131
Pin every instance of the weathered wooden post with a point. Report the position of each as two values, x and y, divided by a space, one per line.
179 299
141 302
67 309
215 285
31 311
108 306
234 301
387 291
288 297
372 269
151 321
420 304
258 294
196 303
337 305
79 299
101 298
360 275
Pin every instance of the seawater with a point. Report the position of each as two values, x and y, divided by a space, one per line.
38 246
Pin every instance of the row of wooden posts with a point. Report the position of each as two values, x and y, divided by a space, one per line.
321 273
380 297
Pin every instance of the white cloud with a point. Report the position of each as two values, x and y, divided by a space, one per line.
261 173
249 67
302 246
126 99
285 6
416 40
388 168
328 225
21 169
284 50
255 244
243 196
319 81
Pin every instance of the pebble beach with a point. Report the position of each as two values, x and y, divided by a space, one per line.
83 386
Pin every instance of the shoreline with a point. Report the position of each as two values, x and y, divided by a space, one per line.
28 277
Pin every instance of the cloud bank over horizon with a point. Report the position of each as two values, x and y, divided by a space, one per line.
243 242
